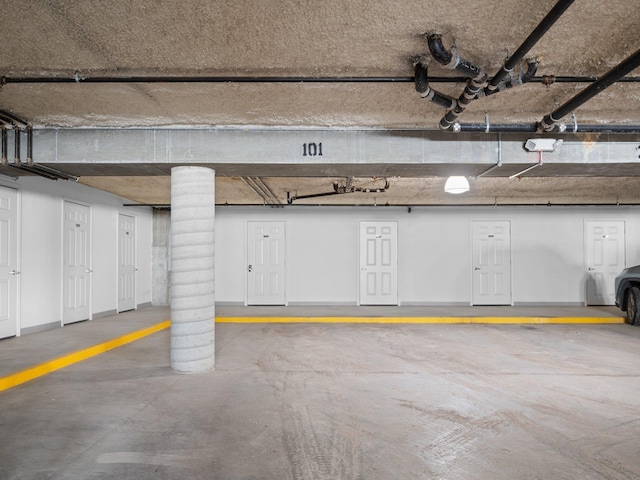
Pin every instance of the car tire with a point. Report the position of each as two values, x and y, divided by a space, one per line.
633 306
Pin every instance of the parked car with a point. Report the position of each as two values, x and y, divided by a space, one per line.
627 287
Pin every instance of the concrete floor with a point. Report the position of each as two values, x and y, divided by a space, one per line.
329 401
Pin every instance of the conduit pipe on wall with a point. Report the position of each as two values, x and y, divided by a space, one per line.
549 122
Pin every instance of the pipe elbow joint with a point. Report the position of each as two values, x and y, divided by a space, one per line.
528 74
421 82
436 47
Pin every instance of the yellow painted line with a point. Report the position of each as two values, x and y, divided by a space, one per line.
75 357
496 320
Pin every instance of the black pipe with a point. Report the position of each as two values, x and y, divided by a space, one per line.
533 127
5 141
548 123
16 145
196 79
29 145
59 174
9 118
425 91
25 168
554 14
450 60
522 78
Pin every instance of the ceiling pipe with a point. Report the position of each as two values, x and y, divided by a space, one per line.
523 77
10 119
5 142
425 91
452 60
533 128
479 82
258 186
16 146
340 190
545 79
29 145
549 122
545 24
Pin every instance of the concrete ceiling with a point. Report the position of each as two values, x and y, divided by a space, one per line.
161 64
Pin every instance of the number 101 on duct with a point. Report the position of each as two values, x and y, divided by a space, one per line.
312 149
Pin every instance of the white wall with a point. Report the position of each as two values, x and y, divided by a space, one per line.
40 248
434 251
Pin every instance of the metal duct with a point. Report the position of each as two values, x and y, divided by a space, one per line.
548 123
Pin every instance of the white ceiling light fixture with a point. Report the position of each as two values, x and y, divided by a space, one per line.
456 185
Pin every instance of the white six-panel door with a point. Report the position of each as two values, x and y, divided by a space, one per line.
76 258
605 259
491 258
378 263
126 262
266 263
8 262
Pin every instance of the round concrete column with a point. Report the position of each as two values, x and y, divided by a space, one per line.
192 269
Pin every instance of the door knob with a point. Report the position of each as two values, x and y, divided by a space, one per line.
135 269
14 272
250 268
88 270
476 268
591 268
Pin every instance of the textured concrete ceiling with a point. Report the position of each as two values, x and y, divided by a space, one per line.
71 64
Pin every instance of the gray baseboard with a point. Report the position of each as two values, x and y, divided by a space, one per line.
435 304
322 304
107 313
548 304
39 328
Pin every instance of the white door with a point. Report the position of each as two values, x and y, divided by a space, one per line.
491 276
605 259
8 262
126 262
378 263
76 263
266 266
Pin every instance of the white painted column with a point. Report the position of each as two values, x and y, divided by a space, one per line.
192 269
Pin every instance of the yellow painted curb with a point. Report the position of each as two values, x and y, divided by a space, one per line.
66 360
435 320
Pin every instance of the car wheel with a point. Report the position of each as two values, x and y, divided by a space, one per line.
633 306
